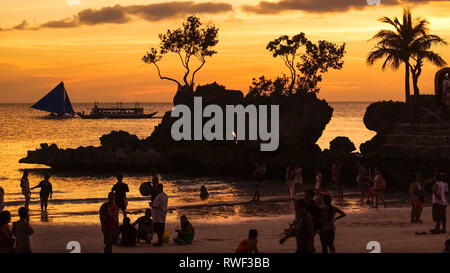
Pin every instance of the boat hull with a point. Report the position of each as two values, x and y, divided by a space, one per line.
144 116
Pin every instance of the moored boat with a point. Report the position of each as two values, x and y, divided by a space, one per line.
118 112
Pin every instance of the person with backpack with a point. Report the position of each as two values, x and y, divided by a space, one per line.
380 186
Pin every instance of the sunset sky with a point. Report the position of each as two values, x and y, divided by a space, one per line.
96 47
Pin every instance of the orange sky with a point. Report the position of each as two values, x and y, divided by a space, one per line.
102 61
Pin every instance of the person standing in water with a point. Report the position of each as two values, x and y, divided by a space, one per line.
120 189
25 186
258 174
327 232
46 191
22 231
203 193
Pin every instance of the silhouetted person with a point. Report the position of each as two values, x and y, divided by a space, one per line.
145 227
46 191
417 193
155 182
186 234
203 193
440 202
159 212
22 231
249 245
6 239
25 186
327 232
120 190
258 174
128 233
304 228
109 219
2 199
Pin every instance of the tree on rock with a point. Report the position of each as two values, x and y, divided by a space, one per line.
191 43
307 62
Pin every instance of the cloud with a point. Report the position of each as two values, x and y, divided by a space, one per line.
123 14
322 6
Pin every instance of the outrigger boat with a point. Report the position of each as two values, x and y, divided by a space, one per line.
57 103
118 112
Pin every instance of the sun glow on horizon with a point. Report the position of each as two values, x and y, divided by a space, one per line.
103 61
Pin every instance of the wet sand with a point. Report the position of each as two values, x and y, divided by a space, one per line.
390 227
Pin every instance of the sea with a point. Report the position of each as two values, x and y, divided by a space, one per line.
78 196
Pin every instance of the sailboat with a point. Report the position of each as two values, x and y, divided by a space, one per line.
56 102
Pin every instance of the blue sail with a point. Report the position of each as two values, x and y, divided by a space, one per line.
56 101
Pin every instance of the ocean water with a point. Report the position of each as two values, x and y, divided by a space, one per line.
78 196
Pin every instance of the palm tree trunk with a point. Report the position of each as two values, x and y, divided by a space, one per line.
407 89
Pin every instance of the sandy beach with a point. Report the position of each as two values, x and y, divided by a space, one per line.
390 227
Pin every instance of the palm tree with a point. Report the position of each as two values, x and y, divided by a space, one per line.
397 45
421 52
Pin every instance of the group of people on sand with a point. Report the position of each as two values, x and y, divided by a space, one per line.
371 182
16 239
314 217
153 221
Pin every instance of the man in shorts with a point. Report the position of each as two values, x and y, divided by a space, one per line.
440 202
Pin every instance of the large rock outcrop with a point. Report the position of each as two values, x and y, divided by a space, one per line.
303 118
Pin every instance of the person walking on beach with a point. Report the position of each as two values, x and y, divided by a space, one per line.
186 234
145 227
22 231
440 202
109 219
249 245
258 174
46 191
380 186
336 168
6 238
120 189
159 212
327 232
25 186
417 193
